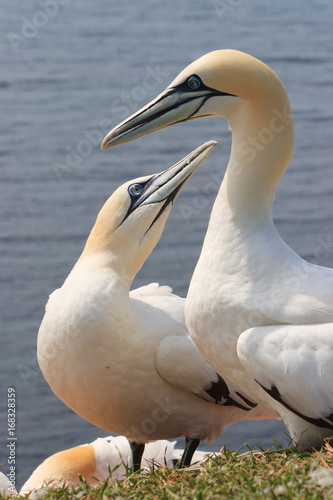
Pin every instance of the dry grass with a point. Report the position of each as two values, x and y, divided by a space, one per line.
280 474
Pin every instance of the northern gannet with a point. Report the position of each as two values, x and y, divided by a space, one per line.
123 359
6 486
258 313
104 458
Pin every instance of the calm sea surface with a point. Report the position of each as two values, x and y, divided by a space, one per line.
70 70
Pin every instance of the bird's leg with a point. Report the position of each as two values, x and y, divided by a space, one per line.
190 447
137 450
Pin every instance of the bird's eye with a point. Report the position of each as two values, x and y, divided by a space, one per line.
135 189
194 82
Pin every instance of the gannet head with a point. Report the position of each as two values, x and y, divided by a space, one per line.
216 84
64 467
131 221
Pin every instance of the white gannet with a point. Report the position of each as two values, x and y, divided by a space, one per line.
6 486
123 359
104 458
258 313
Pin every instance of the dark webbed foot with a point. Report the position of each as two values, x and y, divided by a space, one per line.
190 447
137 452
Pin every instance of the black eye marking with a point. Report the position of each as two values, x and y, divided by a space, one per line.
135 189
194 82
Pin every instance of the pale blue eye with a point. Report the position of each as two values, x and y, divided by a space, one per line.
194 82
135 189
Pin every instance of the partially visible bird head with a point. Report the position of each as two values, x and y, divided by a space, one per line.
132 220
217 84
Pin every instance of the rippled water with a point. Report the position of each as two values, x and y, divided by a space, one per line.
70 70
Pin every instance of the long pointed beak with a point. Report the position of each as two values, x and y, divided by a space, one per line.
164 187
168 184
170 107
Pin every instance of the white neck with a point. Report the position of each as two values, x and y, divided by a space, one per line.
106 270
118 257
262 144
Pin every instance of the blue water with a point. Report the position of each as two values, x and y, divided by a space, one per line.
70 70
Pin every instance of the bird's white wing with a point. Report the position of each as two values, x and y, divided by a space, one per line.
294 364
151 290
162 298
179 362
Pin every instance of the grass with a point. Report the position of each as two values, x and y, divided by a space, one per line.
284 474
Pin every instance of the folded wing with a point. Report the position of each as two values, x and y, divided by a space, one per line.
294 364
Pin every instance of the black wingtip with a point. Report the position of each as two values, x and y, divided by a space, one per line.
325 422
220 392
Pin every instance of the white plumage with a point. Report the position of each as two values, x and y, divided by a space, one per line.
123 360
6 487
95 461
276 356
247 278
